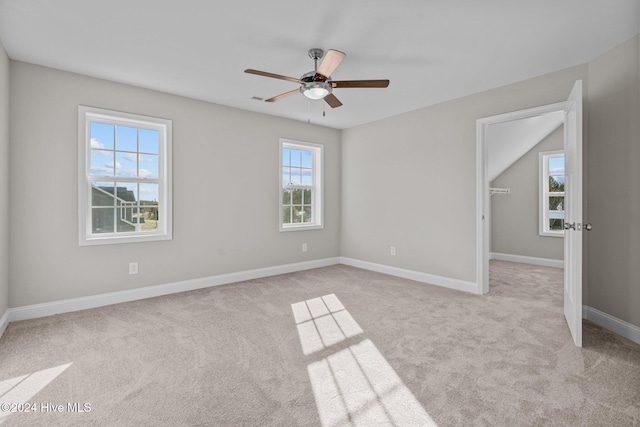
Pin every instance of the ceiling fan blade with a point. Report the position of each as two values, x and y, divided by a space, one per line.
359 83
329 63
332 101
282 95
273 76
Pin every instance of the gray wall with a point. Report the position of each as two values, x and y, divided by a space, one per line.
407 181
410 181
515 217
225 182
4 181
613 174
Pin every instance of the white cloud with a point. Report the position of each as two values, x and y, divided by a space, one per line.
131 157
145 173
100 170
96 144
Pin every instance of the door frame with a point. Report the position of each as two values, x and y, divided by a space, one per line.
483 201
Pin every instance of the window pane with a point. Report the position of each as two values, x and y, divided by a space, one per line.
149 194
296 157
286 157
556 224
127 218
127 194
102 220
286 175
556 166
307 159
149 141
102 163
126 138
149 218
101 136
296 196
297 214
296 178
286 197
102 194
307 214
148 166
556 203
306 197
307 177
286 214
126 164
556 183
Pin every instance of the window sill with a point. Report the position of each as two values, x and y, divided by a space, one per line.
301 227
112 240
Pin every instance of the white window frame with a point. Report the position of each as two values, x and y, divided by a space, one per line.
86 237
544 157
317 209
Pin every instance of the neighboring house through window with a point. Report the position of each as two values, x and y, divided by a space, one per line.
552 193
124 183
300 185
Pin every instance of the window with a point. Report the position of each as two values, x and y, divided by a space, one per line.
300 185
552 193
124 182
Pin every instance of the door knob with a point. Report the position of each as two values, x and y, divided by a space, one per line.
587 226
568 226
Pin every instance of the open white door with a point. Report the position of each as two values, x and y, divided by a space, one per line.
573 213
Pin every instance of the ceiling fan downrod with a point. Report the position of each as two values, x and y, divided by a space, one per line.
315 54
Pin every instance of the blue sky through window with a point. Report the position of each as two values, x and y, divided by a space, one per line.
556 168
114 153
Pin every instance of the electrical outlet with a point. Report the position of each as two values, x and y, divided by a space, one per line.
393 251
304 247
133 268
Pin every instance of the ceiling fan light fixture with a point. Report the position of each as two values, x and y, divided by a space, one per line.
316 90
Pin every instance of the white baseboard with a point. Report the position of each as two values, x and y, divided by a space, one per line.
546 262
620 327
83 303
459 285
4 322
605 320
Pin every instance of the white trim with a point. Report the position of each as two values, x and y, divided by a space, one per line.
432 279
84 303
165 203
620 327
317 186
4 322
544 194
482 186
605 320
545 262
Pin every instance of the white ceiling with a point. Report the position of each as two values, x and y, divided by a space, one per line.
431 51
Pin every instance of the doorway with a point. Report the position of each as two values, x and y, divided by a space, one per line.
572 110
485 176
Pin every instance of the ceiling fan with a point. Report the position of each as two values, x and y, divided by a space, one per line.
317 84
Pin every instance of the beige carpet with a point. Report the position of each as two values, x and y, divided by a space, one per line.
376 350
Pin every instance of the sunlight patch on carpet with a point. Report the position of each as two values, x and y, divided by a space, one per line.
323 322
355 386
22 389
